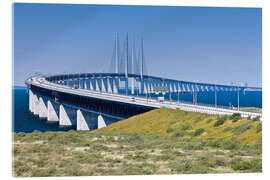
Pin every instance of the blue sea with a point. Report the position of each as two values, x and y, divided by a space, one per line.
24 121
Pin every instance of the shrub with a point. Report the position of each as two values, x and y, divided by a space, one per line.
240 165
209 120
44 172
229 128
221 120
198 132
254 165
230 144
249 118
213 143
235 117
220 162
257 118
164 157
185 127
259 128
21 168
172 122
241 128
186 166
180 134
198 119
169 130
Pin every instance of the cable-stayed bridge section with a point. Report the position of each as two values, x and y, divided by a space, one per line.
73 99
93 100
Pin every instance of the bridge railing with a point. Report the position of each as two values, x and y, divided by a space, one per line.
149 99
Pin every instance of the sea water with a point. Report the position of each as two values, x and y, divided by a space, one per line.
24 121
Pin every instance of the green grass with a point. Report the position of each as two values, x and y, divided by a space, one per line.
177 123
162 141
129 154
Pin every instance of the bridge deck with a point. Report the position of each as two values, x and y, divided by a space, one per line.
147 102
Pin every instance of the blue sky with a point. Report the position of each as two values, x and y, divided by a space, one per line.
219 45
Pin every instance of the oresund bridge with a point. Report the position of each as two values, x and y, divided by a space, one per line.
93 100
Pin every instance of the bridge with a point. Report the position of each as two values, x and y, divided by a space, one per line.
94 100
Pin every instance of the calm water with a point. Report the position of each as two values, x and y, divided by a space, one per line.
224 98
23 121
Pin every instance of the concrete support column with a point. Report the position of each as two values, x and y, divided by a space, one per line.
86 121
152 87
80 83
85 83
132 85
97 85
31 107
145 90
67 116
115 85
179 87
101 122
42 107
103 85
170 85
53 111
109 85
174 87
35 104
91 86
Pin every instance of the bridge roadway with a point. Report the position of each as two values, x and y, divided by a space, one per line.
40 81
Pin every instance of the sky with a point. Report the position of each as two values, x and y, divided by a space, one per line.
204 44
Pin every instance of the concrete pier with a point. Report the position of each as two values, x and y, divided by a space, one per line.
67 116
115 85
53 111
31 107
91 87
101 122
103 85
97 85
86 120
132 85
109 85
86 83
42 107
35 102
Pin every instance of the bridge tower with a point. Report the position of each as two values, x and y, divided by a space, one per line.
116 79
126 68
132 68
116 54
141 73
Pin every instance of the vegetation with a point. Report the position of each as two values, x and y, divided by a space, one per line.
198 131
162 141
257 118
173 122
235 117
252 109
221 120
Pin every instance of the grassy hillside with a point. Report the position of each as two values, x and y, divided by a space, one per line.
170 122
162 141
